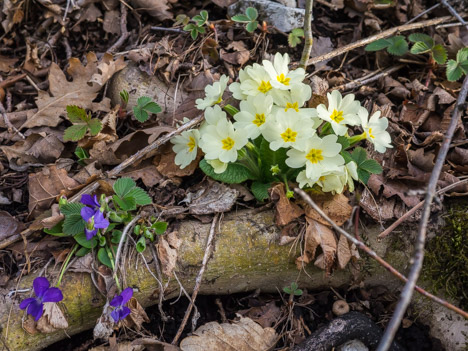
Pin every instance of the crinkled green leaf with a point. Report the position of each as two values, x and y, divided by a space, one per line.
454 71
293 40
95 126
75 132
377 45
423 38
371 166
122 186
398 45
462 55
71 208
298 32
234 174
359 155
251 26
76 114
125 203
140 196
104 258
140 114
439 54
251 13
73 224
153 107
419 48
260 190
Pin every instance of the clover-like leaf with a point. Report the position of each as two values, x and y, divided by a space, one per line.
398 45
251 13
423 38
439 54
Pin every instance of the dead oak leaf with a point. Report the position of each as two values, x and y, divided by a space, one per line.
168 252
52 319
80 91
9 225
336 207
154 8
137 315
286 211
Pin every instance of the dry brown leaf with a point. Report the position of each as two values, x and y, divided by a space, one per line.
210 197
146 171
266 315
121 346
137 315
154 8
154 344
30 325
46 185
318 235
286 211
111 22
7 64
36 148
54 219
235 58
52 319
168 168
344 252
243 335
336 207
9 225
77 92
167 255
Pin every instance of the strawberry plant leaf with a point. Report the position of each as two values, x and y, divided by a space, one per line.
75 132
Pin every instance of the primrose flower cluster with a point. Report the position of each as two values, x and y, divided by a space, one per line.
273 108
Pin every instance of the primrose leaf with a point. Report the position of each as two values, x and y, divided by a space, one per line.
140 196
75 132
103 257
89 244
71 208
420 48
260 190
234 173
123 186
251 13
439 54
421 37
377 45
76 114
73 224
398 45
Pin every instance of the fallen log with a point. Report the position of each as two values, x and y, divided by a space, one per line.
246 257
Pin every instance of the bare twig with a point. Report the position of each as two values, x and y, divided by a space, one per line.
6 120
127 228
407 292
385 34
417 207
454 12
423 13
308 39
160 280
123 28
366 79
198 280
168 29
374 255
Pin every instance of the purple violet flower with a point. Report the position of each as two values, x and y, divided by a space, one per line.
44 293
121 311
93 216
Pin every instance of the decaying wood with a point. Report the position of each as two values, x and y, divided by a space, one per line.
246 256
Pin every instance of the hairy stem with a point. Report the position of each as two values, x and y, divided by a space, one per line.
308 39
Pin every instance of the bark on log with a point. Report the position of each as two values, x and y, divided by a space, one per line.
246 257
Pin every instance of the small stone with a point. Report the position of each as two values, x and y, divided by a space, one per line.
352 345
280 16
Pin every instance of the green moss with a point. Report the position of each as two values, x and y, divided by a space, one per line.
446 261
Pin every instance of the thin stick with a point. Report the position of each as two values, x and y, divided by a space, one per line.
374 255
384 34
127 228
407 292
198 280
308 39
173 30
423 13
454 12
364 80
415 208
123 29
11 128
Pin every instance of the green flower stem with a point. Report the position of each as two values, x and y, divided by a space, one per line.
65 264
289 193
230 109
356 139
111 259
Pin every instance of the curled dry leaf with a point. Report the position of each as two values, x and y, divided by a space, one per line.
243 335
51 106
168 168
211 197
154 8
168 252
343 253
9 225
54 219
266 315
336 207
137 315
46 185
318 235
36 148
286 211
52 319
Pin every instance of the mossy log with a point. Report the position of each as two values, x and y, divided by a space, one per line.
246 257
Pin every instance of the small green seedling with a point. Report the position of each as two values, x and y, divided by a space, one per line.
82 122
293 289
144 106
181 20
82 155
456 68
396 45
124 96
423 43
249 18
294 38
197 27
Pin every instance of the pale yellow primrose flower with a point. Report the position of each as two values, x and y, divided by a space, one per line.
213 93
341 112
221 141
375 129
335 182
280 75
319 155
295 100
186 147
212 116
218 166
254 113
285 129
254 80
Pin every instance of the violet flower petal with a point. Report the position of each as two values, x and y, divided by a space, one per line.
126 295
25 303
115 315
116 301
100 221
87 199
52 295
35 309
124 312
87 213
40 285
90 233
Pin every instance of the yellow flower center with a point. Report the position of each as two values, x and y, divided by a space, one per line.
228 143
191 144
337 116
264 87
282 79
369 133
314 155
322 178
218 101
289 136
294 106
259 119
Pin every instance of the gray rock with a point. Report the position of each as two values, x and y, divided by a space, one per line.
352 345
288 3
282 17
